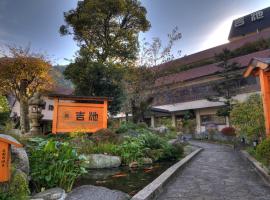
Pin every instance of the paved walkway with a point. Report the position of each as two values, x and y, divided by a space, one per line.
217 173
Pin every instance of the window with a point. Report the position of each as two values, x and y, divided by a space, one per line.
212 119
51 107
44 106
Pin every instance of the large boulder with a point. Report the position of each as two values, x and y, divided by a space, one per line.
50 194
20 159
89 192
99 161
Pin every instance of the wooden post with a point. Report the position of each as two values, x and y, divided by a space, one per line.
55 114
265 91
105 114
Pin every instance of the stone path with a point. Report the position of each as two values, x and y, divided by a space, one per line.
217 173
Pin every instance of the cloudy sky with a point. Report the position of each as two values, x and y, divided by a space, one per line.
203 23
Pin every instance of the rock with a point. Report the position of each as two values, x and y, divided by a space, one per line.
20 159
89 192
99 161
50 194
147 161
133 165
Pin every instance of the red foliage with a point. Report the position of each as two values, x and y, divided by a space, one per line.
228 131
104 135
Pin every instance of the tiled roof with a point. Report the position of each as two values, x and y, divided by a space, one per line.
209 53
207 69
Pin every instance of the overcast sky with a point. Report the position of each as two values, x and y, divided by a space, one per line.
203 23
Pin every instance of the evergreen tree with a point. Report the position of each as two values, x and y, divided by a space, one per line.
225 88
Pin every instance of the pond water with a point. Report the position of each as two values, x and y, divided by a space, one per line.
124 178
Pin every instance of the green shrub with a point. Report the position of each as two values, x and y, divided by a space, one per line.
248 118
17 188
130 150
125 126
54 164
263 151
148 145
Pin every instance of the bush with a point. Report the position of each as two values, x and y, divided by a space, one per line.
16 188
148 145
4 110
130 150
263 152
104 135
248 118
125 126
101 148
228 131
54 164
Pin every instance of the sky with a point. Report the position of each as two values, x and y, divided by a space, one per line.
203 23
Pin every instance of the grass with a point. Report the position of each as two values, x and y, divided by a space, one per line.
253 153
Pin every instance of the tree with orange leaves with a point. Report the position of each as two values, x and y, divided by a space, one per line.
22 73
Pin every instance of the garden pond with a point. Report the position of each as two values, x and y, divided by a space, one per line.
125 179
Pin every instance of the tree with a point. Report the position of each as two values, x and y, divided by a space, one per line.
154 53
108 29
140 78
225 88
4 110
138 82
248 118
23 73
97 79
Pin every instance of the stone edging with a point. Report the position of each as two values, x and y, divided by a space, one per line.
260 168
156 187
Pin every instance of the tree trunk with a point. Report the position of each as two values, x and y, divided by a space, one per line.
24 122
126 117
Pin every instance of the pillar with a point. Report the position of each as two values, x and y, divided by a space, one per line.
152 121
227 121
265 90
173 120
198 121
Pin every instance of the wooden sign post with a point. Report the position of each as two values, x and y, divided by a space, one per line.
77 113
260 67
5 156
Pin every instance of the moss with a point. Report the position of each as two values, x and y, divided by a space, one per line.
17 188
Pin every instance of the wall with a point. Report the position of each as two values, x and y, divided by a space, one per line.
48 114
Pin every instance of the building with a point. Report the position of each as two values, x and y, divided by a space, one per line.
185 83
47 109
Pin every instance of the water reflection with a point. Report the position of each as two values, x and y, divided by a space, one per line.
124 178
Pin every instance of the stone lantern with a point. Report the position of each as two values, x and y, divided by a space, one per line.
35 116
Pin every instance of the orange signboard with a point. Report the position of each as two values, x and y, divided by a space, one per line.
5 162
5 156
76 116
